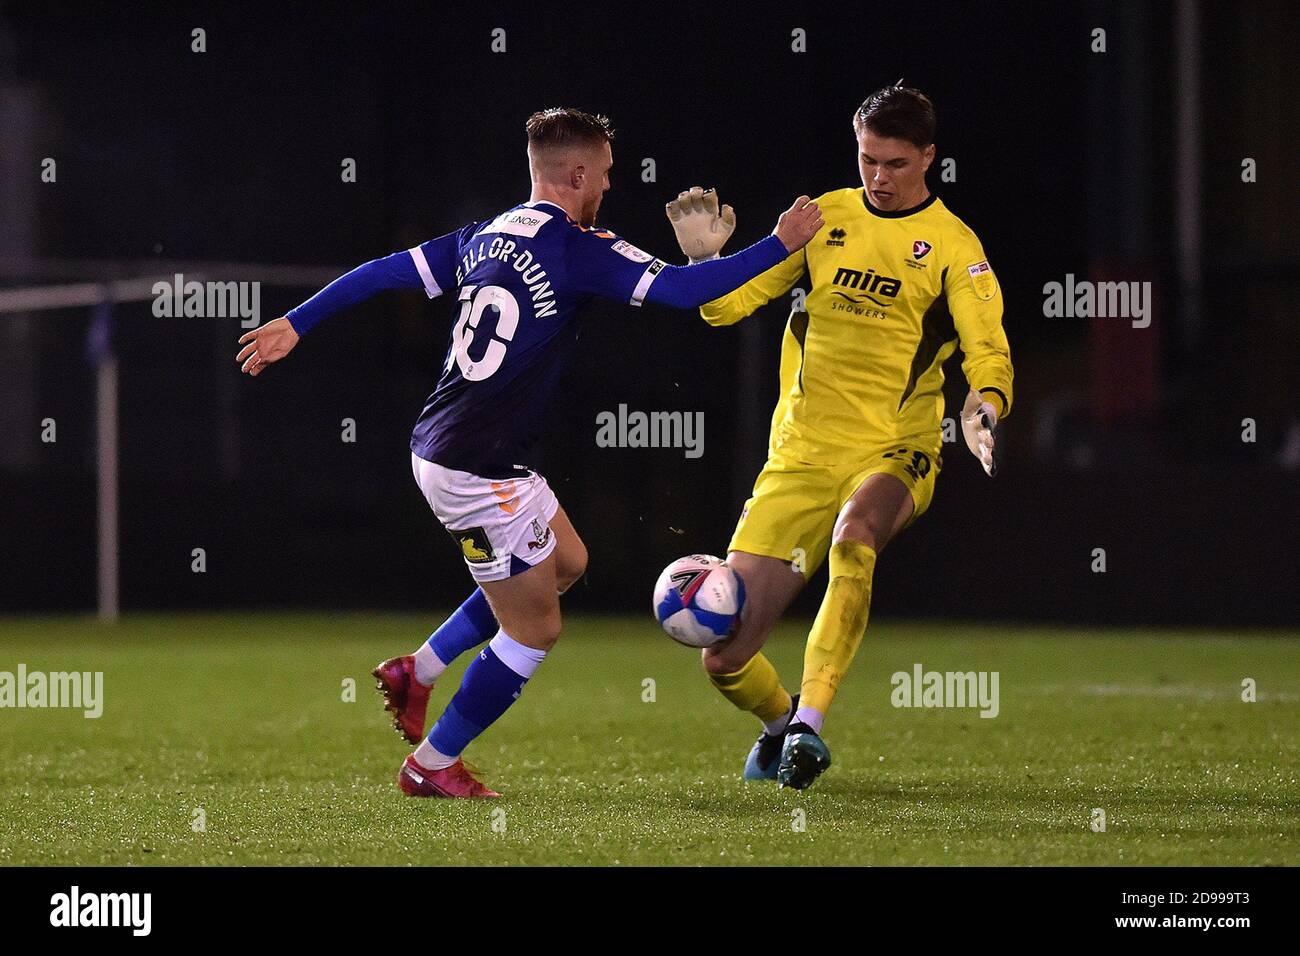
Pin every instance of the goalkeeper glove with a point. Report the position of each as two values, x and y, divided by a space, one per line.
701 230
978 419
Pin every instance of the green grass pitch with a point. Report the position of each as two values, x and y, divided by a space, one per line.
244 717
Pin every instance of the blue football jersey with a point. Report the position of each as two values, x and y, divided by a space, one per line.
520 280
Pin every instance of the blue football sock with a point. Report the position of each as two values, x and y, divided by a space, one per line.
469 626
486 692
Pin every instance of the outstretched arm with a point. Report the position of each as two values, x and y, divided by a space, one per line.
618 270
415 268
397 271
702 228
689 287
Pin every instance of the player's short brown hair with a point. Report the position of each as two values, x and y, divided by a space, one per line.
561 126
898 112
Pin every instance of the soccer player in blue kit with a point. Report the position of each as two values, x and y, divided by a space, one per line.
520 279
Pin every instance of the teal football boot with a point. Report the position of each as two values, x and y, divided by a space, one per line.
765 755
804 757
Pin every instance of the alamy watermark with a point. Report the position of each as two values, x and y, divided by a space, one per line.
1085 299
208 300
922 688
624 429
77 690
75 908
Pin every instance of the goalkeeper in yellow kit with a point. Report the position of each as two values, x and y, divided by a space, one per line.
897 283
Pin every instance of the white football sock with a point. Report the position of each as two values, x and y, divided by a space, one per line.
810 716
520 658
779 725
430 759
428 665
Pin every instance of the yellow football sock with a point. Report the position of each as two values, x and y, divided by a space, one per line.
840 624
755 688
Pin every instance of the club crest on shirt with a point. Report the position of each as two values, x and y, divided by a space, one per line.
541 535
920 249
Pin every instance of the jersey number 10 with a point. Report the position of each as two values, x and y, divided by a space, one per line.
474 299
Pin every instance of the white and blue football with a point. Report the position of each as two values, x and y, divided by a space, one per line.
698 600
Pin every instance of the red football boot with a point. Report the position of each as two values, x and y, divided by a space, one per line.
405 696
453 781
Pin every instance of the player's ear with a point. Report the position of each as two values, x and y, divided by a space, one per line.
577 175
927 157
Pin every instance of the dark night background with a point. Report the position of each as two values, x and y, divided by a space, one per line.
1121 438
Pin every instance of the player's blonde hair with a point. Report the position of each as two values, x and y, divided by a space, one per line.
564 126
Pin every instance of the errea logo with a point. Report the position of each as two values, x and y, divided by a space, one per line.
836 237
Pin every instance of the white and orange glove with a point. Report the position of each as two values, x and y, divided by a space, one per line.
702 229
978 420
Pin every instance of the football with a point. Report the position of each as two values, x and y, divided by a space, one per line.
698 599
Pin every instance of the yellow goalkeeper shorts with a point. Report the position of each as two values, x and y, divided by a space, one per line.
792 511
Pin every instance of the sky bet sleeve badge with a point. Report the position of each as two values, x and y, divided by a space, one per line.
981 276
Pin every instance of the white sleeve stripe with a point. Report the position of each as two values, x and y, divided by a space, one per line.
431 287
647 278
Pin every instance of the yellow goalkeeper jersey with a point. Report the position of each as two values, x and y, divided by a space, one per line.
892 296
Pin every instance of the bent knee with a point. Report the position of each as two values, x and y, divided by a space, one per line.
540 634
536 625
726 658
570 567
856 530
859 524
